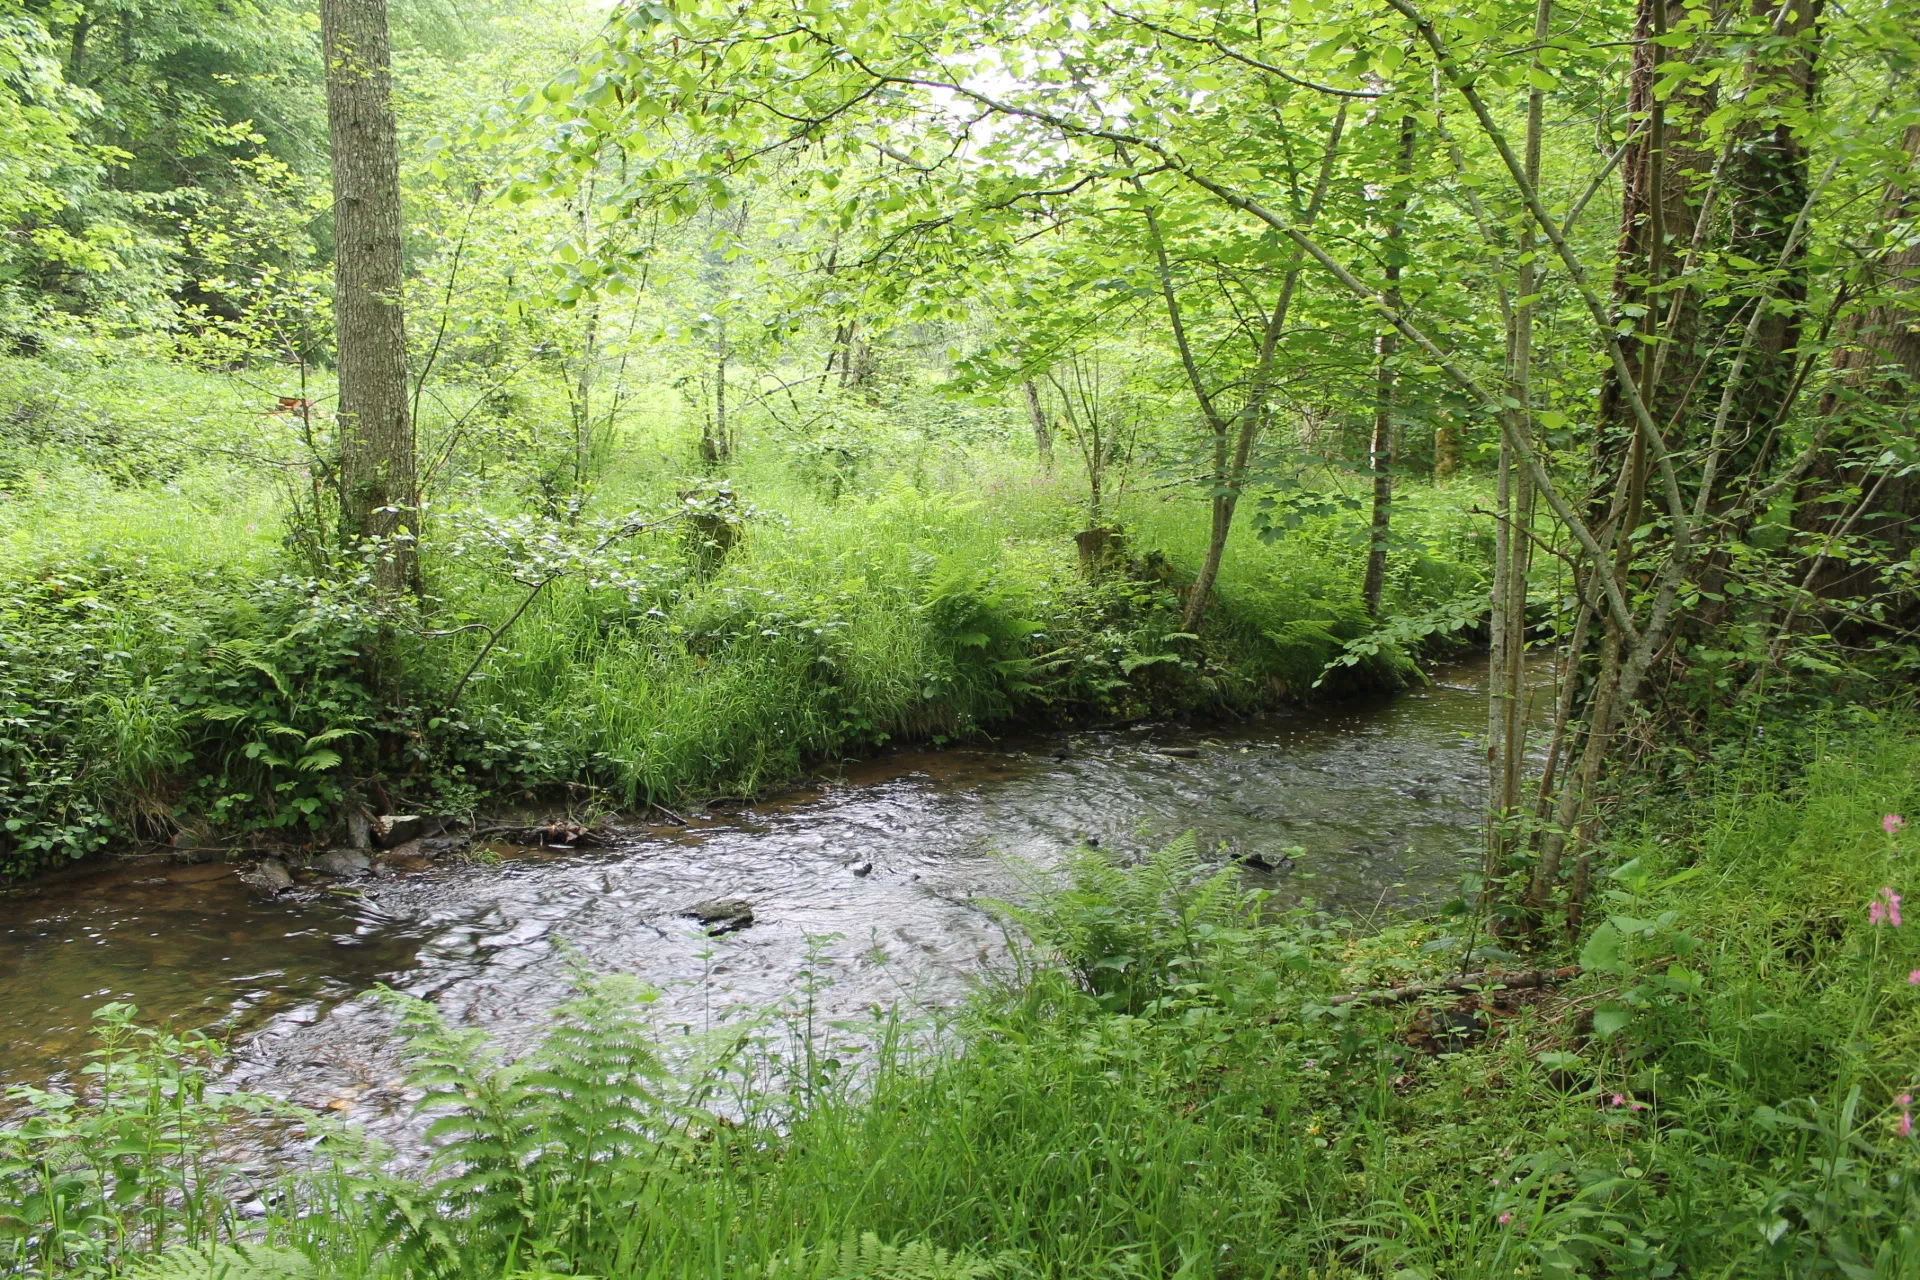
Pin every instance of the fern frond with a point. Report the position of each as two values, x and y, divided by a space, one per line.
225 1262
868 1257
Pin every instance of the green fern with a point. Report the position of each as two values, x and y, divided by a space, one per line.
1130 933
225 1262
868 1257
529 1155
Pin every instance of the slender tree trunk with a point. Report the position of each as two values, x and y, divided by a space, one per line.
1506 752
1231 474
583 435
77 50
716 439
1386 346
379 499
856 361
722 450
1042 434
583 385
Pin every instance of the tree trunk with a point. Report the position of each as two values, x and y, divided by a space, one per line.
1661 209
1507 622
856 361
1385 347
77 50
583 426
1752 360
1042 434
1766 185
379 501
1231 473
1878 360
722 439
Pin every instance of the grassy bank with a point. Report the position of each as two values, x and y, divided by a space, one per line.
171 658
1171 1087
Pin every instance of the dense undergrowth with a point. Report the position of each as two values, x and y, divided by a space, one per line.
172 658
1166 1087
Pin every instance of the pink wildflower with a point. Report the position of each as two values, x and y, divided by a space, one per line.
1892 823
1505 1218
1619 1099
1885 909
1913 979
1905 1127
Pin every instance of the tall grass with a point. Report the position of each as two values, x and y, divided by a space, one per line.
172 660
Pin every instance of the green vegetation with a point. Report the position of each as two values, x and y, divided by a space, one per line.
172 661
1168 1087
649 402
457 407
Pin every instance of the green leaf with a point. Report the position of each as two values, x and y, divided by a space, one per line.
1610 1020
1681 877
1602 952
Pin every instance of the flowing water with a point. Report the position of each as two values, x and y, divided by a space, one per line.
872 881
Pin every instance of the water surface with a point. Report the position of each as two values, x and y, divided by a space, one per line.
877 874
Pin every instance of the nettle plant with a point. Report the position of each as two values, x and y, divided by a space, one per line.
1645 952
124 1165
283 701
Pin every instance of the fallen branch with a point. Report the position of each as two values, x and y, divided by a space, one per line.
1523 980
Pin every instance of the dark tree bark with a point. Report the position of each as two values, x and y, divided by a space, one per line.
1665 179
379 500
77 50
1878 362
1386 345
1767 186
1042 433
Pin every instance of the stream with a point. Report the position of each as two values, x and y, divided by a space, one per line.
873 877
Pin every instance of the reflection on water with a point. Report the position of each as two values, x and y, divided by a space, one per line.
1381 794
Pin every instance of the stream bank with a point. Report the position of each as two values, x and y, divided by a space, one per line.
876 880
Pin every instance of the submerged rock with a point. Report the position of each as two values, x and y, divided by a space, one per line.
269 876
721 915
1179 753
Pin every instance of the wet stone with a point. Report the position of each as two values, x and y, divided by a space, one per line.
269 876
721 915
